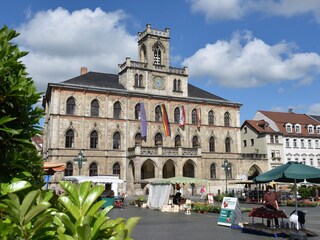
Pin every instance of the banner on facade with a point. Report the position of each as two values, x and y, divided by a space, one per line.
230 211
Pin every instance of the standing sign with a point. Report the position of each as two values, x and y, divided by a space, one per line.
210 198
230 211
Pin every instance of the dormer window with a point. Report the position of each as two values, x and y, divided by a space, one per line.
289 127
310 129
318 129
297 128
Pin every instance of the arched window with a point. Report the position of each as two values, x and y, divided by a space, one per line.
158 114
175 85
116 110
116 169
138 139
95 108
69 139
157 56
137 111
210 117
94 139
227 119
177 141
68 171
158 140
116 140
194 116
195 142
176 115
136 80
71 106
179 85
213 174
93 169
211 144
228 144
140 80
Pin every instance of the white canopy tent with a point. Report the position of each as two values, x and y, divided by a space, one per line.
158 195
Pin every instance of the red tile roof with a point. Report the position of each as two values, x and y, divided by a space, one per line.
260 126
282 118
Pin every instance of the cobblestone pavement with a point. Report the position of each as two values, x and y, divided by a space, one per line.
156 225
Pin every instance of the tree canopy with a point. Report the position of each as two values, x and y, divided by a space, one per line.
19 116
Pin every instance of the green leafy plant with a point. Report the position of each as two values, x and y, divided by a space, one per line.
31 214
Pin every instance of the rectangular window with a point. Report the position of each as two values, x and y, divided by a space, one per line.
311 161
244 143
273 155
288 128
309 143
303 160
302 143
271 139
277 154
310 129
316 143
276 138
295 145
252 141
287 143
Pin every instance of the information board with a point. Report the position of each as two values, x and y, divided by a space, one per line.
230 211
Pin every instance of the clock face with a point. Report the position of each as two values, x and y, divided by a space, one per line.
158 83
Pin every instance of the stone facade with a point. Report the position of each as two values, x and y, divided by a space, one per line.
192 150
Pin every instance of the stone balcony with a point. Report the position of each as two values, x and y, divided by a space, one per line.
254 156
163 151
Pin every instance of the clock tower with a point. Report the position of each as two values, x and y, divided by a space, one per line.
152 73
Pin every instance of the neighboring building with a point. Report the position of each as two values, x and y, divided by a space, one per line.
260 139
106 117
285 136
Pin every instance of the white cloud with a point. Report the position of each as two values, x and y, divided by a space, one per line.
237 9
246 61
314 109
218 10
60 42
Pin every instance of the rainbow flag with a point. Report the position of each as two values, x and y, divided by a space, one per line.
143 120
182 119
165 120
198 117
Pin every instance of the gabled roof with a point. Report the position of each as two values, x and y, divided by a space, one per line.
282 118
111 81
289 117
260 126
95 79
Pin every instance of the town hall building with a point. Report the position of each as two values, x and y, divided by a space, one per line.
147 121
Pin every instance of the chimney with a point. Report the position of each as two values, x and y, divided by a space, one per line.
290 110
83 70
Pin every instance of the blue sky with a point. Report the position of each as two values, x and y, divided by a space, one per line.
264 54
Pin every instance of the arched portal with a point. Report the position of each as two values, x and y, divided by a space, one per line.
147 169
253 172
189 169
168 169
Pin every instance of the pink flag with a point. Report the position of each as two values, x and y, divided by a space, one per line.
182 119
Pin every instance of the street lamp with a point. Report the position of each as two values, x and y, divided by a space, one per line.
226 167
80 160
